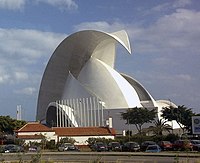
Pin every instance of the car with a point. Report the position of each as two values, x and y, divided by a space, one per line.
12 148
195 144
145 144
153 148
165 145
114 146
67 147
130 147
99 147
182 145
34 149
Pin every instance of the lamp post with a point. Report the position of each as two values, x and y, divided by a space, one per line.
129 130
170 106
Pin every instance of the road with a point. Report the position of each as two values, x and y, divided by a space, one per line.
105 157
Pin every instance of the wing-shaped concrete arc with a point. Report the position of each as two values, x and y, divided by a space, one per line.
70 57
144 96
66 115
108 85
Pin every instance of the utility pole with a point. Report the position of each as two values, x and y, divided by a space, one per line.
19 112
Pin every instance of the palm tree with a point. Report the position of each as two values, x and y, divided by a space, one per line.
181 114
160 127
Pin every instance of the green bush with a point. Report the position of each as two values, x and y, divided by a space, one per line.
66 140
136 138
51 144
172 137
91 141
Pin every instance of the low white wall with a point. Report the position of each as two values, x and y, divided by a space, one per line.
82 140
49 136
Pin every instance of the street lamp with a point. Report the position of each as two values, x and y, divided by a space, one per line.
129 133
170 106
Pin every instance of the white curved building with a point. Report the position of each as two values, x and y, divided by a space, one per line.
80 86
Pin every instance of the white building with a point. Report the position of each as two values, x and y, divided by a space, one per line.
81 88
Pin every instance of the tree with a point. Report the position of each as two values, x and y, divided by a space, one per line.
17 124
181 114
67 140
138 116
160 127
8 125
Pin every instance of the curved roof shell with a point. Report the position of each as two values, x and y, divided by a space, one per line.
83 66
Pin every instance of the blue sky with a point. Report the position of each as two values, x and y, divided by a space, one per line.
164 37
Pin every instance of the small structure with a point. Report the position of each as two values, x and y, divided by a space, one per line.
81 134
36 132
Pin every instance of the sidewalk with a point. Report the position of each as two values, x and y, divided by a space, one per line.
160 154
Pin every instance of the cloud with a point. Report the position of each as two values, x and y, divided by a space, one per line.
21 76
175 33
26 91
175 78
181 3
27 45
63 5
4 78
12 4
100 25
184 77
23 50
166 78
179 87
171 5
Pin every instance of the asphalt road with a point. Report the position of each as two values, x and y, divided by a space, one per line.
105 157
